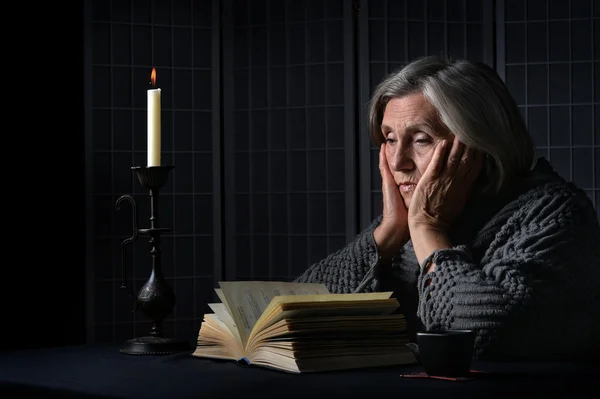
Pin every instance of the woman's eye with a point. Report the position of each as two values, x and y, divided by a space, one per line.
390 140
422 140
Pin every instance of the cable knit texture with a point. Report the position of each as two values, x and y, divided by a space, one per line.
524 272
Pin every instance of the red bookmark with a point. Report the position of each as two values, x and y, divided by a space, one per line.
473 374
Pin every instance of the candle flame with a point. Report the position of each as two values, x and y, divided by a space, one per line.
153 77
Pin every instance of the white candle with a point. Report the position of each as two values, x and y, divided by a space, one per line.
153 123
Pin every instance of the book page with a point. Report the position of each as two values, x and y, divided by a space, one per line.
358 297
314 301
331 312
221 297
224 301
225 317
247 300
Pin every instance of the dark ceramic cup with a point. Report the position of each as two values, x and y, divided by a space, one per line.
446 353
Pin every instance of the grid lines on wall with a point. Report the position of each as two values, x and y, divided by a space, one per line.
130 38
396 32
553 71
285 144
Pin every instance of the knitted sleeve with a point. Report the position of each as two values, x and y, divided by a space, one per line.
350 268
542 266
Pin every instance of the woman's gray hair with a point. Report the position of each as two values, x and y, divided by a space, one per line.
475 105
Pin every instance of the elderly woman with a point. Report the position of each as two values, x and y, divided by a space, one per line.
474 233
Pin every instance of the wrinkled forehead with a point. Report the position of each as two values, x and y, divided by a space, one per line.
410 110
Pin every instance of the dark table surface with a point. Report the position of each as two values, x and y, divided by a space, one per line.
100 371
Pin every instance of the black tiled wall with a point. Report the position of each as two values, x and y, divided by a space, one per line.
553 70
288 199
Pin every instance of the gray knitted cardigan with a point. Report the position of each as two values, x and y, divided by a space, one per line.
524 272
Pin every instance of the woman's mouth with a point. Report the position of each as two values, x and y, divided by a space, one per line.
407 187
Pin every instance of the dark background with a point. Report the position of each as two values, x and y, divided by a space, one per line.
263 117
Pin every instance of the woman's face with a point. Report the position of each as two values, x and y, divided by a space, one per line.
411 129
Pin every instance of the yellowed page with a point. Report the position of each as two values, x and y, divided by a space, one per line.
276 302
215 340
223 314
303 328
363 296
247 300
283 299
280 314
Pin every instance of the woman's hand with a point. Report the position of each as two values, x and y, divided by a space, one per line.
444 188
392 233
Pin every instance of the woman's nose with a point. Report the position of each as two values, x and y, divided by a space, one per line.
401 159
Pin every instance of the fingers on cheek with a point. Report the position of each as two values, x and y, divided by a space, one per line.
439 156
457 148
442 155
456 155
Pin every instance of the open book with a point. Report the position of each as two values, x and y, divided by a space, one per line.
301 327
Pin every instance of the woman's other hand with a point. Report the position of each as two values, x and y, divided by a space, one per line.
444 188
392 233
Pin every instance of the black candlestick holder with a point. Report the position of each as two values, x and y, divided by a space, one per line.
156 298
